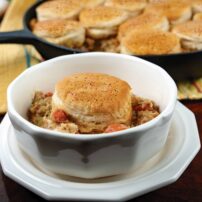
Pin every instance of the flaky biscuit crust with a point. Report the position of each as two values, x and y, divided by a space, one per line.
93 100
152 42
175 11
102 17
58 9
69 33
91 3
128 5
197 16
56 28
191 30
143 22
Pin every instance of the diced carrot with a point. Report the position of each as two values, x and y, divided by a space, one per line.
115 127
48 94
59 116
142 107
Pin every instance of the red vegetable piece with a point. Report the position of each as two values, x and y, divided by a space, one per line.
59 116
48 94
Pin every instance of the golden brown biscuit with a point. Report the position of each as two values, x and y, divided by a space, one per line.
172 1
143 22
63 32
197 16
197 6
58 9
151 42
157 1
102 21
91 3
134 7
96 33
190 34
176 11
94 100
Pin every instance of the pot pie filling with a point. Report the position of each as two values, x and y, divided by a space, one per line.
43 113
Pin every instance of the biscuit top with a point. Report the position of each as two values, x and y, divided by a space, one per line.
151 42
102 16
144 21
91 3
59 8
129 5
173 10
197 16
157 1
196 5
56 28
191 30
93 92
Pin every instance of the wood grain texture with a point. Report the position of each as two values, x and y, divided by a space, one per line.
188 188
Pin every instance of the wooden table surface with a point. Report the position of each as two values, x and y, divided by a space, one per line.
187 188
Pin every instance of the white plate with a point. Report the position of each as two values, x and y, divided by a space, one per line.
166 167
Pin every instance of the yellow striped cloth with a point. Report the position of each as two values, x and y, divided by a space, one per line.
12 61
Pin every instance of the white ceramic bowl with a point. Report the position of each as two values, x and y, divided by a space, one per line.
97 155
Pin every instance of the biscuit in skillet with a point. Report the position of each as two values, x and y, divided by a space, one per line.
197 16
64 32
150 42
91 3
134 7
190 34
196 6
102 22
58 9
143 22
176 12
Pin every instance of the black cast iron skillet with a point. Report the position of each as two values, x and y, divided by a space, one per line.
179 66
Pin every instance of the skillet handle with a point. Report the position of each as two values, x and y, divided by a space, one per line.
18 37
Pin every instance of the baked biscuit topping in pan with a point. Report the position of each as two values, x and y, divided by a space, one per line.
196 6
103 24
190 33
58 9
176 12
134 7
197 16
63 32
152 42
91 3
143 22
